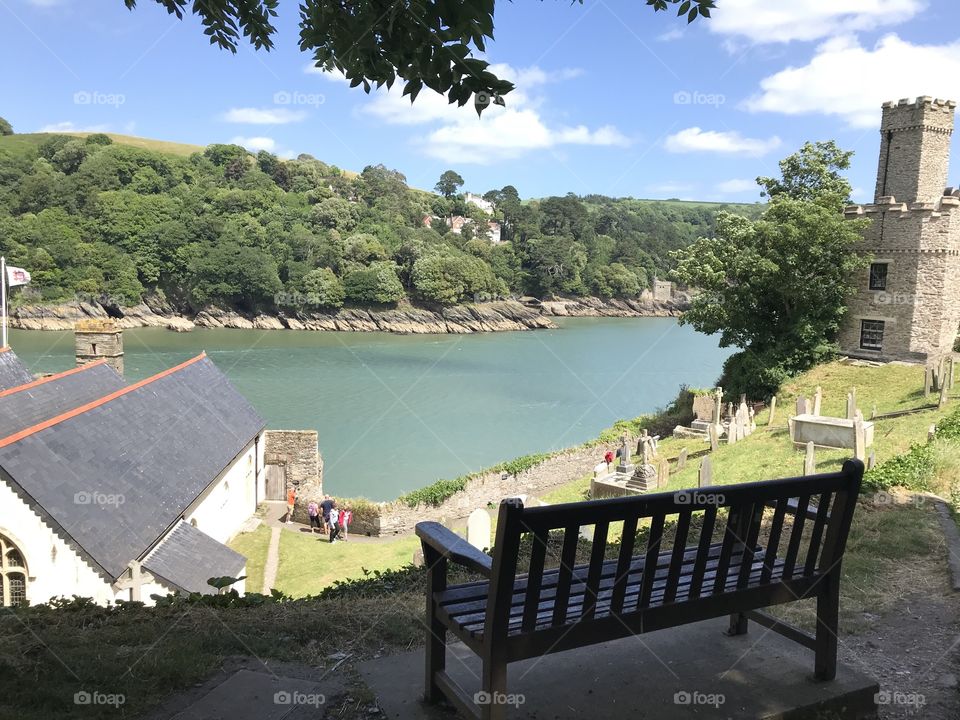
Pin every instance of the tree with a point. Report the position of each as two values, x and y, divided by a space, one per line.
323 288
373 43
448 184
5 127
376 284
776 287
812 174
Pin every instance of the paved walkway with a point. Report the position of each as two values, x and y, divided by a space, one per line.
273 561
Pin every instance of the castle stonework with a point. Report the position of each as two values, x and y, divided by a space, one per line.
99 340
907 306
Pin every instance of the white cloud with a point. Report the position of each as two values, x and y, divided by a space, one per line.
778 21
255 144
670 35
891 70
503 133
264 116
69 127
736 186
694 139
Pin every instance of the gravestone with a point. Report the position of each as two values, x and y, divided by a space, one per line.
874 413
851 406
859 439
942 400
810 460
601 470
714 433
682 459
417 559
717 406
817 400
872 460
753 421
706 473
663 472
644 478
624 466
927 381
802 405
773 411
704 407
932 433
950 372
478 529
733 433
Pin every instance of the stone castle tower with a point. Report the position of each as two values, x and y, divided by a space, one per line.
98 340
908 303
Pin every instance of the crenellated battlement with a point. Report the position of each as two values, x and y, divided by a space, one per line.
888 204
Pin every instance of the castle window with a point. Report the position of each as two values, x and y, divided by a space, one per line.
878 276
13 574
871 334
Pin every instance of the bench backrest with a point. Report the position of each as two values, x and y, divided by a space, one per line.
822 504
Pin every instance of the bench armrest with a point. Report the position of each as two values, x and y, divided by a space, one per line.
453 547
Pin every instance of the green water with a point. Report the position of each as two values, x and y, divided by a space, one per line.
396 412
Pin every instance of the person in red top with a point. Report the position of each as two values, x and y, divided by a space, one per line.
291 501
346 517
608 457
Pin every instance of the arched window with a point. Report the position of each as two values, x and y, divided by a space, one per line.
13 574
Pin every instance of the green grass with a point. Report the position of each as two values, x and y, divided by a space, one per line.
27 142
308 563
254 546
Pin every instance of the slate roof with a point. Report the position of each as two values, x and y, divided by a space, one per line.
116 474
188 557
12 370
26 405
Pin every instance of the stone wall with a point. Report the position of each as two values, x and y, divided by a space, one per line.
299 452
98 340
397 517
915 231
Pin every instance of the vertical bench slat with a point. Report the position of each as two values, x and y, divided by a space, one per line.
568 556
706 538
773 544
726 549
597 553
627 539
676 559
650 561
795 536
817 535
534 578
755 519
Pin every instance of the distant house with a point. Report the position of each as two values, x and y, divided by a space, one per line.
115 491
478 200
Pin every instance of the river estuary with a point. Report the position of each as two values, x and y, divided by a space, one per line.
396 412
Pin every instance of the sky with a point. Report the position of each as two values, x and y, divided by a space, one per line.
611 97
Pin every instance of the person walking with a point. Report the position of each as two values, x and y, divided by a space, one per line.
346 517
313 510
334 523
325 508
291 502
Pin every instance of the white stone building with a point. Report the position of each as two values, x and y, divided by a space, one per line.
114 491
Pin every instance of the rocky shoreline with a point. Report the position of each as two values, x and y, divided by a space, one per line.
497 316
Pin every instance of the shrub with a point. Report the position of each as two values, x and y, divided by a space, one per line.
323 288
377 284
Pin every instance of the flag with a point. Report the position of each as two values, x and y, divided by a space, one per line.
17 276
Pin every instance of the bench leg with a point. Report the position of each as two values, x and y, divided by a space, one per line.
828 617
738 624
436 651
493 690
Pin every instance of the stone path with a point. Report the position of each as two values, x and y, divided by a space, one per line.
273 561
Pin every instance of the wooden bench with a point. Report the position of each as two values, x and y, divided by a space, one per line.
511 616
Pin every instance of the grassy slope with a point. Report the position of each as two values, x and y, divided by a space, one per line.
254 546
25 142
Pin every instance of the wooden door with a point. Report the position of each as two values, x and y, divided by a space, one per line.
276 482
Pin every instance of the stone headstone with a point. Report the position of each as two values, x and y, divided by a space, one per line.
704 407
682 459
874 413
417 559
714 432
810 460
851 406
773 410
706 473
717 405
859 439
644 478
624 466
927 381
817 400
932 433
732 431
872 460
663 473
803 407
942 400
601 470
753 420
478 529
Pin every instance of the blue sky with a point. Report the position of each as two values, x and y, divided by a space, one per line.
611 98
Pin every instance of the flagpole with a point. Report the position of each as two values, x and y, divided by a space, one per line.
3 285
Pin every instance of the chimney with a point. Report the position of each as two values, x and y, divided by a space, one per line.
99 340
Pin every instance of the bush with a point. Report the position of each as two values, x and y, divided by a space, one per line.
757 376
377 284
323 288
